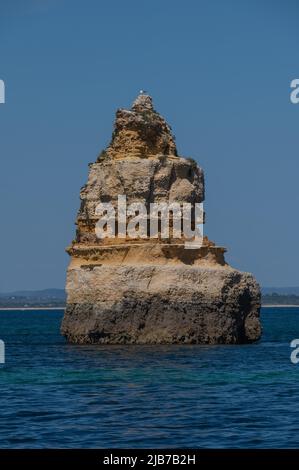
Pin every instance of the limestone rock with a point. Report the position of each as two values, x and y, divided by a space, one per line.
141 132
161 304
124 290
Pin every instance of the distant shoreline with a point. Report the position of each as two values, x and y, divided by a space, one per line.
32 308
63 308
280 305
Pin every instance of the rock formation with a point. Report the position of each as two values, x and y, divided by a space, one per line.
151 290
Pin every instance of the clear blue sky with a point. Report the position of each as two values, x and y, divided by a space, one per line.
219 71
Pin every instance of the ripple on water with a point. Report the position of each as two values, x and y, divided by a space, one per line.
59 395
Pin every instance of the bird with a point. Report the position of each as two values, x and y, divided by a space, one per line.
142 92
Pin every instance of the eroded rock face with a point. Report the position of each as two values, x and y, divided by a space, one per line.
141 132
140 180
161 304
143 290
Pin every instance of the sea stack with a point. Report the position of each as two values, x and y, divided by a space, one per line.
151 290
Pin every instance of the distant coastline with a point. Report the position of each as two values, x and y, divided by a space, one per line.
279 306
31 308
55 299
63 307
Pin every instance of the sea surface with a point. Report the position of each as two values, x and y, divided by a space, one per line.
57 395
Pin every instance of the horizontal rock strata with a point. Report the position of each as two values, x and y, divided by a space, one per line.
144 291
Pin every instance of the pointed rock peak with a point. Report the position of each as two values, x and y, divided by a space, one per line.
143 102
141 132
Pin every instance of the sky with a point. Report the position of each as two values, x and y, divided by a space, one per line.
218 71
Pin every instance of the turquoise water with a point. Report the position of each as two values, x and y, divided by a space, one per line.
58 395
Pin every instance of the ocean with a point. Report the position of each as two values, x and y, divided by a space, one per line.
55 395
